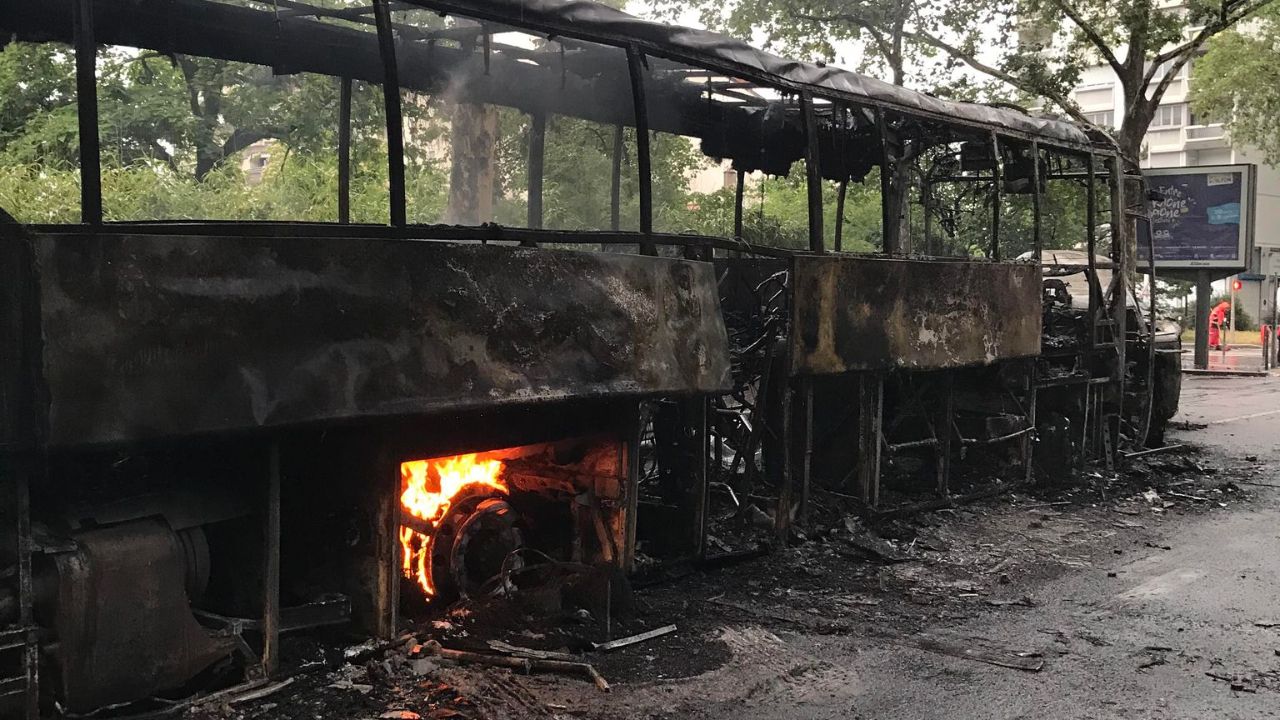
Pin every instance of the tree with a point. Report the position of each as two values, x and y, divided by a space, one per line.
169 126
1237 82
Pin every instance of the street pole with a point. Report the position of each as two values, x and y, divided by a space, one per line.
1275 317
1203 289
1231 316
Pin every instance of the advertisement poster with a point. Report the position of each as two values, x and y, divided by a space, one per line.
1200 217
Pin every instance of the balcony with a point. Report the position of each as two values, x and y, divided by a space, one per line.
1205 132
1187 137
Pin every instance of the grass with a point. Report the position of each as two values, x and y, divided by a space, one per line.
1235 338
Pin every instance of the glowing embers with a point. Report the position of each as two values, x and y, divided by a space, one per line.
431 489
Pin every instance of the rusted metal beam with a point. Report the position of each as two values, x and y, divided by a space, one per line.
840 198
870 416
926 202
386 544
888 220
1091 247
271 563
806 468
537 164
782 514
1120 246
394 116
997 180
22 470
739 194
631 486
615 179
813 173
1028 440
1036 222
413 231
87 113
702 446
636 68
344 150
942 422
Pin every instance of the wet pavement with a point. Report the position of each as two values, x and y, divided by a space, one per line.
1178 624
1165 629
1241 359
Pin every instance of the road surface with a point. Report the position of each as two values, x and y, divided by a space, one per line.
1162 627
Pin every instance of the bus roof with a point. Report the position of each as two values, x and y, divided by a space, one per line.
216 29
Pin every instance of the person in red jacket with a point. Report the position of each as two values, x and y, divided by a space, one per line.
1217 318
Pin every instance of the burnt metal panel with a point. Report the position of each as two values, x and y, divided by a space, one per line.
149 336
123 621
20 424
865 313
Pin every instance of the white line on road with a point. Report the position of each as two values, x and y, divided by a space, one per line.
1250 416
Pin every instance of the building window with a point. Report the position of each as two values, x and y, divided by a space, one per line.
1096 96
1105 119
1170 116
1163 69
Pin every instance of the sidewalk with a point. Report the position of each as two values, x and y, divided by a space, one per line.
1240 360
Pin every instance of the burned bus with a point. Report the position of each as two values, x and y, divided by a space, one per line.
508 332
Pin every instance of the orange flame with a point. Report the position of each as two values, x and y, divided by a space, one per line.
429 489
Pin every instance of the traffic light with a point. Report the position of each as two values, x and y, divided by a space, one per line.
1236 285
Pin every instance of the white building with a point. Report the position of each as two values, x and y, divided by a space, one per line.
1177 139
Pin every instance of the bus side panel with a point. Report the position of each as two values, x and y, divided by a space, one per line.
864 313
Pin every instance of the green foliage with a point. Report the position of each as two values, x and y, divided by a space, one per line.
1237 82
34 193
299 189
37 117
172 130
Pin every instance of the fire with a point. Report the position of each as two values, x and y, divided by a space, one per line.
429 489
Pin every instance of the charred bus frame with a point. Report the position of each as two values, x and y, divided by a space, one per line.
947 320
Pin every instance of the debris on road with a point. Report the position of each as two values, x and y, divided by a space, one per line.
634 639
526 665
1026 661
1024 601
518 651
872 546
1238 684
1153 659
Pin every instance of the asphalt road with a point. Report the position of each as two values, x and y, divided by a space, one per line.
1134 636
1201 599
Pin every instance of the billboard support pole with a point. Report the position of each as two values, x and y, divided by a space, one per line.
1204 287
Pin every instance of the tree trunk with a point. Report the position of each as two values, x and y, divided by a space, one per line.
1130 138
473 147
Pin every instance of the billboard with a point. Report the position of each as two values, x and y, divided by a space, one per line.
1202 217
